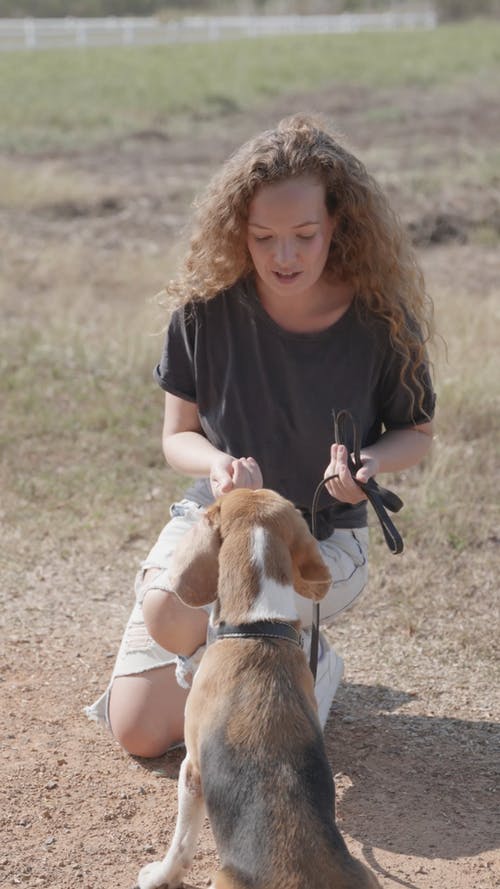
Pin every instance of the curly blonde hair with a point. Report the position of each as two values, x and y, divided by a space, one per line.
370 247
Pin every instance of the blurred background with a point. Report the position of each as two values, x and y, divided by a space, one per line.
106 136
446 9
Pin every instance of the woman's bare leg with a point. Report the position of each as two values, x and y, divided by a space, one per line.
146 710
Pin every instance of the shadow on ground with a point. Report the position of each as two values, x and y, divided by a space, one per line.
411 784
408 784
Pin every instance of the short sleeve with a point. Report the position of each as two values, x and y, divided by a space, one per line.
404 402
176 371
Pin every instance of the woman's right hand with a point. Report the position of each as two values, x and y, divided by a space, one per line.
226 473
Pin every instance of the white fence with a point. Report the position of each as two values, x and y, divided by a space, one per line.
70 32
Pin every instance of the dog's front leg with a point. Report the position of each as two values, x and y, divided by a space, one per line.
168 874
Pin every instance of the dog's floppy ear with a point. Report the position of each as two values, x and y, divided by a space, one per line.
311 577
194 569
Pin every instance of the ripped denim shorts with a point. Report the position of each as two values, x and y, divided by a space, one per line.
345 553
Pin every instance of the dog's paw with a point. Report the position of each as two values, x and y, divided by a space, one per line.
155 876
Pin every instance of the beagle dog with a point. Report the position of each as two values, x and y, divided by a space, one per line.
255 755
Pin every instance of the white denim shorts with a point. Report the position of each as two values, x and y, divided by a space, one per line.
345 553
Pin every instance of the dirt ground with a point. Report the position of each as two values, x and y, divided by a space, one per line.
411 736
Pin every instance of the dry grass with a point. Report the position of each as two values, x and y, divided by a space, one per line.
45 186
81 412
82 333
83 330
456 483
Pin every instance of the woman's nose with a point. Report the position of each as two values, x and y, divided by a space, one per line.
285 251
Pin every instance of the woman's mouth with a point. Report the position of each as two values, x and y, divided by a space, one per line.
286 277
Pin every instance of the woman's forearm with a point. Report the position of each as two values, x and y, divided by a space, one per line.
189 453
400 448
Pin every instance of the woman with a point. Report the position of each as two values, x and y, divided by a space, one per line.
299 295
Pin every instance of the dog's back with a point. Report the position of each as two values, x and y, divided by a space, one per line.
265 776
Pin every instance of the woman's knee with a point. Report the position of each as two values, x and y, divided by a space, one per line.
137 740
146 712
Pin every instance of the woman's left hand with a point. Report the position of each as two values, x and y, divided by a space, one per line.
227 473
246 473
344 488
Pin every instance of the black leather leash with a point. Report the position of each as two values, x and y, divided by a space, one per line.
380 498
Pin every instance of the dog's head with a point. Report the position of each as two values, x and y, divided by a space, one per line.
244 539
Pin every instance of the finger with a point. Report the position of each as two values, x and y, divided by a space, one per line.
255 473
342 487
346 495
332 490
246 473
363 475
240 474
250 464
331 468
331 471
345 478
341 456
221 483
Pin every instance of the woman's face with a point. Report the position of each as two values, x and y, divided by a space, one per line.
289 235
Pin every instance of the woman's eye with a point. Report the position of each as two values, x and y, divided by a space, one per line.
262 238
306 237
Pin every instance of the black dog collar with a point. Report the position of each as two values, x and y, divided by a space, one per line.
269 629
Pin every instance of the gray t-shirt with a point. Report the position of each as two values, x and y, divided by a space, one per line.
267 393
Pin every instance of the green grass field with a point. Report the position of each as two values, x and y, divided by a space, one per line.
67 98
